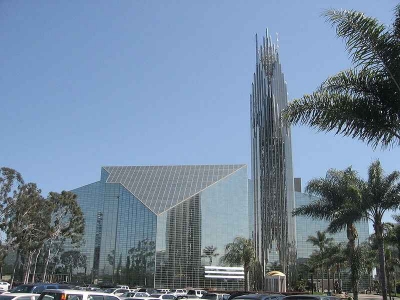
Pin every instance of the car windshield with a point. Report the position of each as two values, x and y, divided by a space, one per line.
109 291
5 297
128 294
210 296
23 288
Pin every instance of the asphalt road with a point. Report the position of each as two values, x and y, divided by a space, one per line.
371 297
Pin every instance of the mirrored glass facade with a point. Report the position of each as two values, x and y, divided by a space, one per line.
181 222
306 227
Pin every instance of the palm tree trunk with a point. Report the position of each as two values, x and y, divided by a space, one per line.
312 283
246 278
322 279
381 255
329 280
353 258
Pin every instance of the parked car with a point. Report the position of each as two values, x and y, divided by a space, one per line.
177 292
116 291
215 296
37 288
4 285
163 296
134 295
19 296
163 291
123 287
61 294
260 297
310 297
196 293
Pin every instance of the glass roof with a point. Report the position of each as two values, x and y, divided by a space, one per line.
163 187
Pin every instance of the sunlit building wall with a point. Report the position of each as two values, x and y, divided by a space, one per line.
154 226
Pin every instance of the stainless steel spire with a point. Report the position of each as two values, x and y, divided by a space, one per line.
271 150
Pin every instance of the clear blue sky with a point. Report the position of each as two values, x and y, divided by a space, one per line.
91 83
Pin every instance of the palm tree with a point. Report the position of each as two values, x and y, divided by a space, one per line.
362 102
339 203
240 252
334 257
322 242
394 235
368 261
380 194
209 251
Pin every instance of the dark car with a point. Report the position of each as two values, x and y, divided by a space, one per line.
215 296
310 297
163 296
37 288
260 297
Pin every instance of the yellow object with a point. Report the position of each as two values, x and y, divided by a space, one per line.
275 273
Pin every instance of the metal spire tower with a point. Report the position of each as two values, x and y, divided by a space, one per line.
271 154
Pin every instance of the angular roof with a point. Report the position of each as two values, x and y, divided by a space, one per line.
162 187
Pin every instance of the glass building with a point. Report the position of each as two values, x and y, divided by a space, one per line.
161 226
306 226
272 172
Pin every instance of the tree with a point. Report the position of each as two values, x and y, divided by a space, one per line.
380 194
322 242
240 252
369 258
339 198
28 225
209 251
362 102
10 183
67 221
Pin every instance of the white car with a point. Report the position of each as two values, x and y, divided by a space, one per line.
4 285
19 296
130 295
162 296
116 292
59 294
177 292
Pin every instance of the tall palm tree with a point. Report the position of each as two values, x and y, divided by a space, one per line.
362 102
210 252
380 193
240 252
339 197
322 242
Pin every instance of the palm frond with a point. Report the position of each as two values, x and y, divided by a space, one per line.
343 104
369 43
396 24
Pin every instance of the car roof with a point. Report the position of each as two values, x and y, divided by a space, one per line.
306 297
69 291
21 294
257 296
